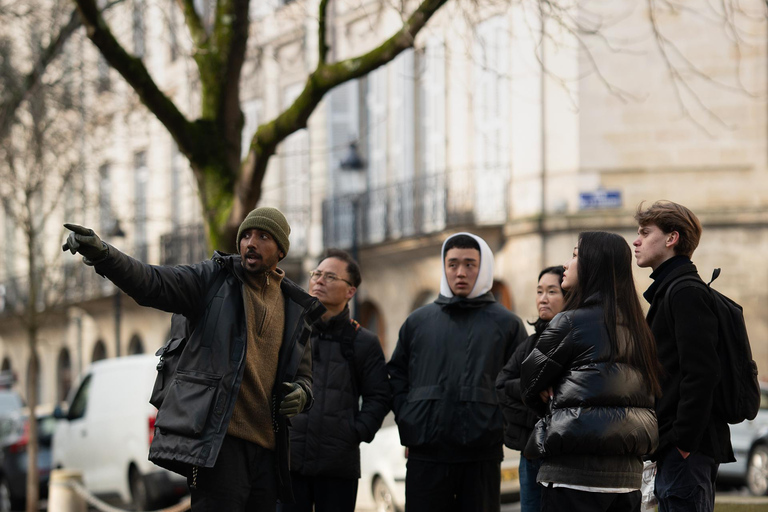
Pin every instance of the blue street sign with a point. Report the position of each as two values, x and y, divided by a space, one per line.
600 199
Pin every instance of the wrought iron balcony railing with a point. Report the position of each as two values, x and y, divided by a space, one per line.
184 245
413 208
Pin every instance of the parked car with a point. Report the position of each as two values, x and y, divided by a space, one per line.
14 440
10 403
106 434
750 446
382 472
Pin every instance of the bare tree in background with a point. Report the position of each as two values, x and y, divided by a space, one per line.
229 187
39 162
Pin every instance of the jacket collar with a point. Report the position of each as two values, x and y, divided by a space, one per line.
335 323
464 302
667 272
314 309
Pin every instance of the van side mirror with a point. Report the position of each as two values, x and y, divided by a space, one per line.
59 414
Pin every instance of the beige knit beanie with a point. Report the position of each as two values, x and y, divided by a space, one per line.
270 220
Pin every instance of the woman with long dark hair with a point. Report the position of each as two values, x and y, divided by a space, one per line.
520 419
593 377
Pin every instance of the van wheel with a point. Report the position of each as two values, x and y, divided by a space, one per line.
757 471
5 496
139 493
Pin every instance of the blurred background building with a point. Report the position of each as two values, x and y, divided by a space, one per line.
484 126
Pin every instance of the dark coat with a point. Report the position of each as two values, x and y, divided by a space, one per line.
442 373
602 420
193 418
325 441
519 419
687 349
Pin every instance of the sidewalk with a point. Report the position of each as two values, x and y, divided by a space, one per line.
741 504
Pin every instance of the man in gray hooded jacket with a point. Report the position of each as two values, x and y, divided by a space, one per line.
442 374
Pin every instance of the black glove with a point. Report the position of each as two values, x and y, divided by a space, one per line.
86 242
294 401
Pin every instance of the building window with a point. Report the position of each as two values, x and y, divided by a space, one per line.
294 153
491 108
106 222
135 346
173 43
252 111
63 375
141 177
103 81
138 28
99 352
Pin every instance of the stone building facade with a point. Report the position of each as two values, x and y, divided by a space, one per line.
484 126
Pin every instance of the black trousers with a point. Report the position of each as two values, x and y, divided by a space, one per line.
685 485
464 487
243 479
559 499
326 493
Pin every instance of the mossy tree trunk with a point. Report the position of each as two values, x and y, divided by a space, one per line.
230 188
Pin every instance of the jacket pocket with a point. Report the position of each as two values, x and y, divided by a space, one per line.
187 403
166 368
419 423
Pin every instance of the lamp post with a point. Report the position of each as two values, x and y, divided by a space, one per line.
353 162
117 232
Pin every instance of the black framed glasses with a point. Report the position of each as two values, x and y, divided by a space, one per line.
329 278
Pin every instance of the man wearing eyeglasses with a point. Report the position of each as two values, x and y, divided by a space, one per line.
347 365
442 374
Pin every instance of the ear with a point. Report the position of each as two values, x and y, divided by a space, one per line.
281 254
672 239
351 292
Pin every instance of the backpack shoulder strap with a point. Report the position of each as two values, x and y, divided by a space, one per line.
679 284
348 336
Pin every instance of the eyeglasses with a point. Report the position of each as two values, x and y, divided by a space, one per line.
329 278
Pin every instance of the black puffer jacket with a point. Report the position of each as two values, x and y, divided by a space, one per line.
325 440
519 419
602 419
443 372
193 418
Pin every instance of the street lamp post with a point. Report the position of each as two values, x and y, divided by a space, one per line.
117 232
353 162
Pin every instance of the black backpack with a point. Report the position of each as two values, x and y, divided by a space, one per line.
170 353
737 395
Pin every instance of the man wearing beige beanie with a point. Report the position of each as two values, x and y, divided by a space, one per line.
244 370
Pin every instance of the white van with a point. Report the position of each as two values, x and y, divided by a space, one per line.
106 432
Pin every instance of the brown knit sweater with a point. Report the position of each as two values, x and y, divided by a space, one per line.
265 316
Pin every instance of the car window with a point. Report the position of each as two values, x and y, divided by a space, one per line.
77 408
10 401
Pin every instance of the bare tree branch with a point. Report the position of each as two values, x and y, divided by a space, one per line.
188 136
31 81
324 78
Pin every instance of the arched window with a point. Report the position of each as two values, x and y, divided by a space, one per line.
63 375
371 319
99 352
423 298
502 295
7 377
135 346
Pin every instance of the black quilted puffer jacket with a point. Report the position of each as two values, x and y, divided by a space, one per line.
325 439
601 420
